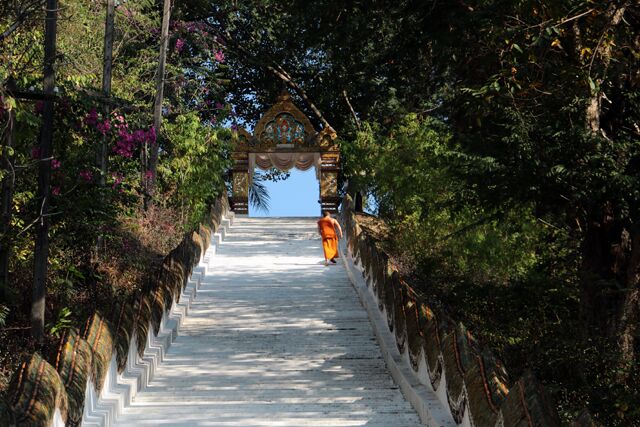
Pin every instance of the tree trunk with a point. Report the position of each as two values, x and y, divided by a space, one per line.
598 297
157 105
630 309
611 251
353 112
102 155
7 201
358 202
41 256
106 83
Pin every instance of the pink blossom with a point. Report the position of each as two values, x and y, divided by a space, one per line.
104 127
92 118
219 106
124 148
55 191
125 145
140 136
118 117
179 45
86 175
148 175
117 179
151 135
55 164
35 153
219 56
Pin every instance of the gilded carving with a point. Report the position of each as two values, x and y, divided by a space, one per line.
241 140
283 123
329 184
241 185
284 129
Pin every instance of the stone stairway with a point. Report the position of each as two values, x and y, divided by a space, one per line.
274 338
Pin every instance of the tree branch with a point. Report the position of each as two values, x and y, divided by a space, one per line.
274 69
353 112
23 15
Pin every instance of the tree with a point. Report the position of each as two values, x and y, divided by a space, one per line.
151 166
41 258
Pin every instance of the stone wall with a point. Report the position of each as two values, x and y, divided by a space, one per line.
75 384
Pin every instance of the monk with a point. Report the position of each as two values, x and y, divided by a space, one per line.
327 227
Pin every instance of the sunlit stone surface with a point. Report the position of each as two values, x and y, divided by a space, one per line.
274 338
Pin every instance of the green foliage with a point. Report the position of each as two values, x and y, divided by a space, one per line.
194 165
437 221
62 323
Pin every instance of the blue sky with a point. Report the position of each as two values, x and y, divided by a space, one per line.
296 196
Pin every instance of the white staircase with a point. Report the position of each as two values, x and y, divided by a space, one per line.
274 338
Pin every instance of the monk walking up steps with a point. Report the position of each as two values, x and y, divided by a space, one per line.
327 228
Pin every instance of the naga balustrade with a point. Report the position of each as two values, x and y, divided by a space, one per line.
477 388
52 389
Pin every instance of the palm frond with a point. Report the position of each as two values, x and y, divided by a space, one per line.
258 194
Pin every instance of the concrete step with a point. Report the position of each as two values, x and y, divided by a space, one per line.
273 338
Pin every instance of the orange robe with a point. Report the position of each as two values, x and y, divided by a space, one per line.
329 238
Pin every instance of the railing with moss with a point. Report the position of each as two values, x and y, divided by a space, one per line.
468 380
59 389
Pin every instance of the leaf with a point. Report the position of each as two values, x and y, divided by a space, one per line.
517 47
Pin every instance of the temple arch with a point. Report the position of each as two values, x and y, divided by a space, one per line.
284 138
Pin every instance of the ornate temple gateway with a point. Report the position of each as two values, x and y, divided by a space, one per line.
284 138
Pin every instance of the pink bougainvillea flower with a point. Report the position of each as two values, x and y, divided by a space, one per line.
104 127
219 106
35 153
55 191
55 164
124 148
179 45
140 136
117 179
148 175
92 118
125 145
219 55
86 175
151 135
